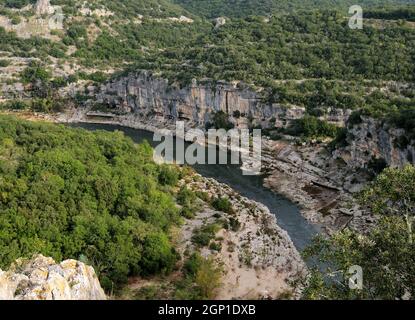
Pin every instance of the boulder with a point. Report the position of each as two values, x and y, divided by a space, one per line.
41 278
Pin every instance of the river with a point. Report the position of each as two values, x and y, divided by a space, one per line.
288 214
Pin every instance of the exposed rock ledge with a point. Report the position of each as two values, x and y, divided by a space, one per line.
259 259
42 278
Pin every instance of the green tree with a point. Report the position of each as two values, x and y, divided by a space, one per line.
385 254
208 278
393 193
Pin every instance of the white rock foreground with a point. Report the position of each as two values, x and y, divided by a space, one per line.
41 278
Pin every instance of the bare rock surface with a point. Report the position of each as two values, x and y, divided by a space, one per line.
43 7
41 278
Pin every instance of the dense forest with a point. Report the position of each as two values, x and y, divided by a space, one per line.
243 8
97 197
309 59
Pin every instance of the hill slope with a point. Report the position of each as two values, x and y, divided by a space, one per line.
242 8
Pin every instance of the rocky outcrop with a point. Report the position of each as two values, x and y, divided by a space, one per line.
41 278
43 7
155 98
372 139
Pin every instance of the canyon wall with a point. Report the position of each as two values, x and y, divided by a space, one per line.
152 97
154 100
374 139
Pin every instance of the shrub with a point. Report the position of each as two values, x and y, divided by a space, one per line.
234 224
35 72
221 121
222 204
312 127
354 119
205 234
208 278
4 63
192 264
168 175
186 197
215 246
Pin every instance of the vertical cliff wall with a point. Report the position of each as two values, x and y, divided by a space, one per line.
150 97
373 139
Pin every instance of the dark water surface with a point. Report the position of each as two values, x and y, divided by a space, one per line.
288 215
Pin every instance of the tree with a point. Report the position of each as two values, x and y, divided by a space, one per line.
385 254
69 193
393 193
208 278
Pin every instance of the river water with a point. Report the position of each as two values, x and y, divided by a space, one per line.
288 214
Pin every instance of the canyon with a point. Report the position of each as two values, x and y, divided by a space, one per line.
321 181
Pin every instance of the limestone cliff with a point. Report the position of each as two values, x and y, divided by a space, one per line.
152 97
41 278
373 139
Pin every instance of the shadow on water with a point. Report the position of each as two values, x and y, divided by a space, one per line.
288 215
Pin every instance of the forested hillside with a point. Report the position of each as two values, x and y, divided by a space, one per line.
97 197
243 8
309 58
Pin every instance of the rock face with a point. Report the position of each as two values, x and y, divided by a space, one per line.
43 7
372 139
151 97
42 278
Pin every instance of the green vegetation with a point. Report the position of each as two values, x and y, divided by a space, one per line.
187 199
205 234
4 63
68 193
18 4
311 127
403 13
306 58
35 72
220 121
201 279
44 105
208 278
243 8
34 47
222 204
386 254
